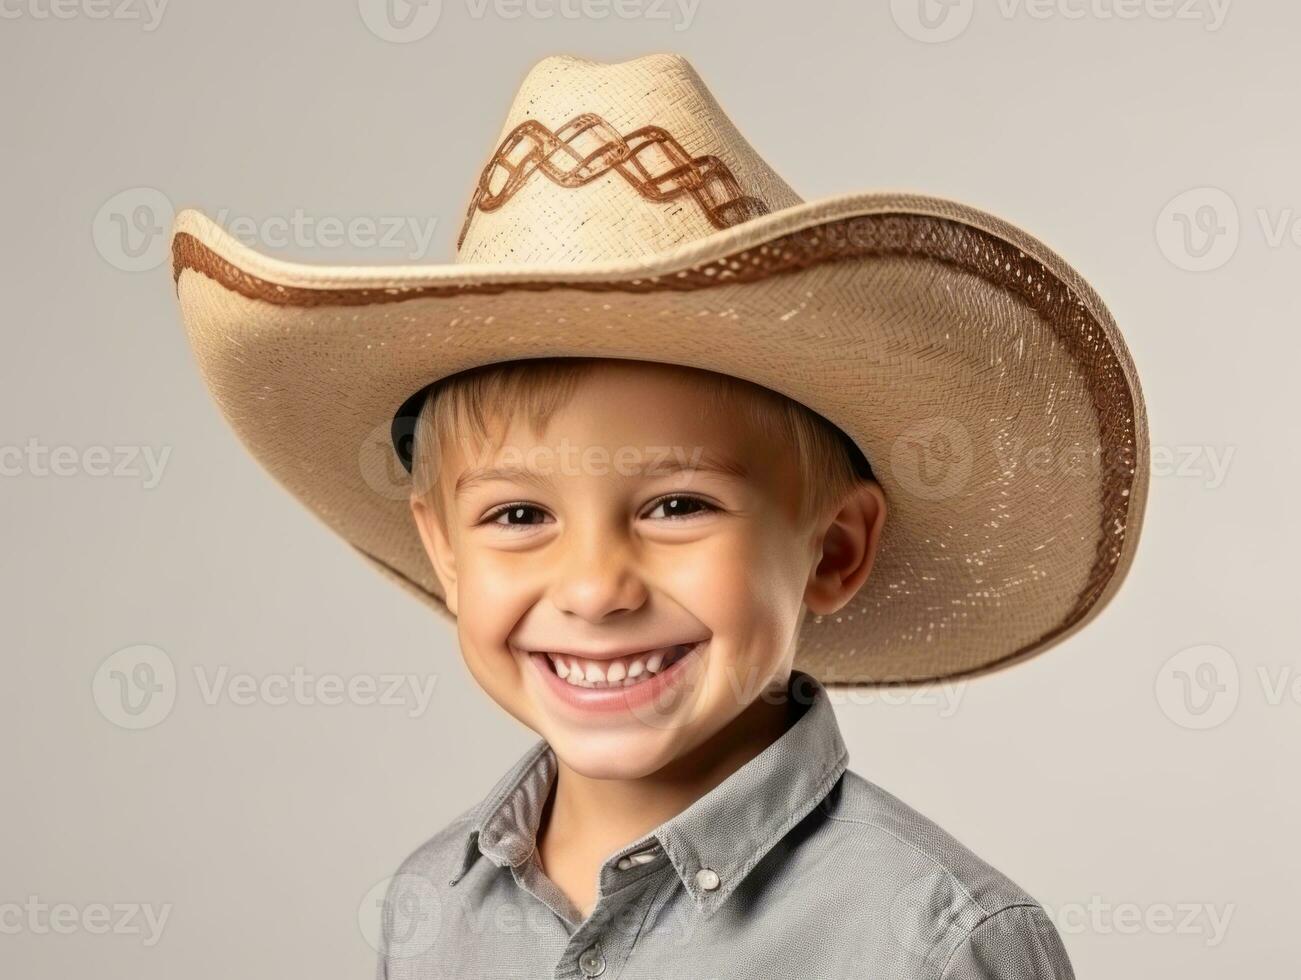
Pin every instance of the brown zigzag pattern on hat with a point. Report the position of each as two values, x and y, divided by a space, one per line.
588 147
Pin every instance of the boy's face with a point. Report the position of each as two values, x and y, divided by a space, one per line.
603 546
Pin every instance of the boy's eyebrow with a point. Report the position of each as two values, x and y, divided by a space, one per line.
707 462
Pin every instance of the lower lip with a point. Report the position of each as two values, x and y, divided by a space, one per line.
611 700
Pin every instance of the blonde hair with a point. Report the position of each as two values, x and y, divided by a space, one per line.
461 408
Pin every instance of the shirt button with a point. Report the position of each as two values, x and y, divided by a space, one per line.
632 860
591 962
707 878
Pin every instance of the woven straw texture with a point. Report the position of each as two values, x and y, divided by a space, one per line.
981 376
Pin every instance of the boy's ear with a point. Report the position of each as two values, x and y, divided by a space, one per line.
848 549
433 535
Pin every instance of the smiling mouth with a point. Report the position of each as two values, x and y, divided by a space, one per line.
618 673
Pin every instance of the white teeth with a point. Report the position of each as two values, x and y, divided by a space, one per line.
611 673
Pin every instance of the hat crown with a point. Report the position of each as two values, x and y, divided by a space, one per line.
600 162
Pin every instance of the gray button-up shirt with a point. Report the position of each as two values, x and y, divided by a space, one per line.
794 866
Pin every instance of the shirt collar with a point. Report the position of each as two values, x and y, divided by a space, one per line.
726 831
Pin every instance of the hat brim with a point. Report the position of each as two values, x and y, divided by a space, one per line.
980 375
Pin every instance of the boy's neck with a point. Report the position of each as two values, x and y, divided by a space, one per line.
585 820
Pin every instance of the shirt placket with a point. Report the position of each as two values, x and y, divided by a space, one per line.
600 945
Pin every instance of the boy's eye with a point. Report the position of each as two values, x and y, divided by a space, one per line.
517 515
673 507
680 505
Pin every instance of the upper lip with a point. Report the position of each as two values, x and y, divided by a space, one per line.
610 654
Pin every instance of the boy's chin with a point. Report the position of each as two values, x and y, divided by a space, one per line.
615 755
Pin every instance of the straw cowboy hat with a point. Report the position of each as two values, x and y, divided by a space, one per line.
623 215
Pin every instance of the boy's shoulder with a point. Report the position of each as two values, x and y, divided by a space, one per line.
942 903
929 858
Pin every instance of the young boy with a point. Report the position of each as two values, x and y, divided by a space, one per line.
683 451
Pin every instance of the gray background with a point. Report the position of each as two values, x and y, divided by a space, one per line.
1088 775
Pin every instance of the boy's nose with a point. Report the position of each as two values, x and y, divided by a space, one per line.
597 577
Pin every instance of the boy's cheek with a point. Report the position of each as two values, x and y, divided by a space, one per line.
488 613
762 581
502 577
485 625
714 571
499 677
495 588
